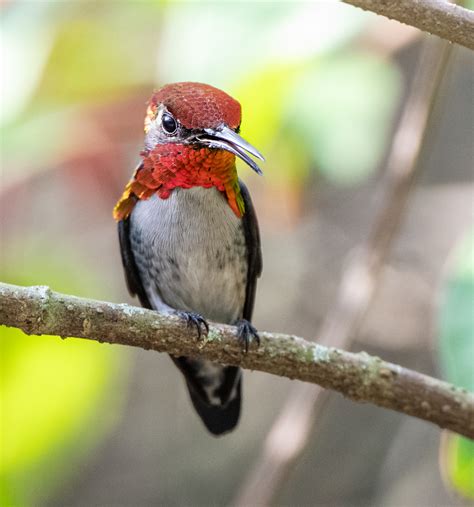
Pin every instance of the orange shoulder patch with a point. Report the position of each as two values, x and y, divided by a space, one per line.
137 188
125 204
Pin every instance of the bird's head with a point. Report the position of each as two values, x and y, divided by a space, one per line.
191 139
198 115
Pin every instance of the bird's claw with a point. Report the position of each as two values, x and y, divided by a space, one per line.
195 320
246 334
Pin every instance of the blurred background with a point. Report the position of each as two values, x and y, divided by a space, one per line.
322 86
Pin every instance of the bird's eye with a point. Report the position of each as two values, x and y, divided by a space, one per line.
169 124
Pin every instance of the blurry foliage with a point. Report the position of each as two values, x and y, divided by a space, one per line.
456 349
58 399
312 101
332 114
94 57
305 93
41 151
227 40
264 123
341 109
27 38
57 54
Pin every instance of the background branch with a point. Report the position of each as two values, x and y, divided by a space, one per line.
360 377
296 422
444 19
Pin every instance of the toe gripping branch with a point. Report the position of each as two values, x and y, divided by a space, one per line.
197 321
246 334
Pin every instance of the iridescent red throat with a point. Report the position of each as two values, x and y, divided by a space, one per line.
170 166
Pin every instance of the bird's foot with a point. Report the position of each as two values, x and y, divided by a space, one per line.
195 320
246 334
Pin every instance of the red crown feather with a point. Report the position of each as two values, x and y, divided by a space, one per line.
198 105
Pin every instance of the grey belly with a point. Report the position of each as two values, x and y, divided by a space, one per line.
191 254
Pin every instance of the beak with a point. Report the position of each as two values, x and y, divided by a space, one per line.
225 138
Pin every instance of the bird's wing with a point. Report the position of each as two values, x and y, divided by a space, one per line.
254 251
134 283
132 277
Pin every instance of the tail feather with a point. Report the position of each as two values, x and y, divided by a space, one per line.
215 392
218 419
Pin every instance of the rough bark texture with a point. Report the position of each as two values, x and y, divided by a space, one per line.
441 18
360 377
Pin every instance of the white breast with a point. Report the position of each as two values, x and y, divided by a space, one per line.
190 250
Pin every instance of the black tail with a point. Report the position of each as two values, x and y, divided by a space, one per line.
218 419
215 391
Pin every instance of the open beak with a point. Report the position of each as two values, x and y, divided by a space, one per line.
226 139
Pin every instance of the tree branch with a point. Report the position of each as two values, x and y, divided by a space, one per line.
441 18
360 377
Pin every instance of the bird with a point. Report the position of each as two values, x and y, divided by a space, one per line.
188 232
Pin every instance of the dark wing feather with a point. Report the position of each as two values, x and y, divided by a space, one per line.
254 251
134 284
132 277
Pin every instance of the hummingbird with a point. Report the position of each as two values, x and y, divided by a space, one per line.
189 235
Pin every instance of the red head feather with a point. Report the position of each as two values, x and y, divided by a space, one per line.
198 105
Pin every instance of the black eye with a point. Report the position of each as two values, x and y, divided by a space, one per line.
169 124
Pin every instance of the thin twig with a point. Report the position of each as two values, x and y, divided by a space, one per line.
441 18
289 434
360 377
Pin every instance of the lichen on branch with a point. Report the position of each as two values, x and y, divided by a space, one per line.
360 377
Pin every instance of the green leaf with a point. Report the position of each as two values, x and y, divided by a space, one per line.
456 352
457 463
456 318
